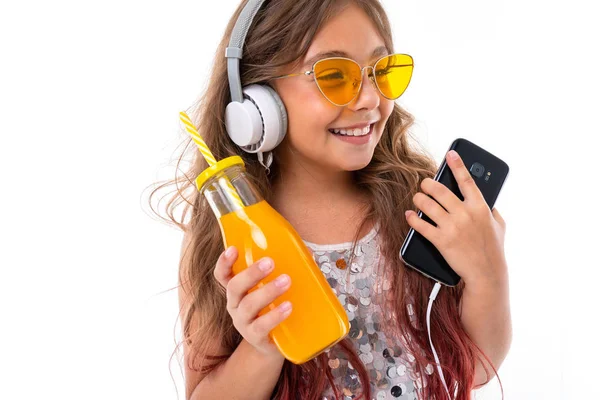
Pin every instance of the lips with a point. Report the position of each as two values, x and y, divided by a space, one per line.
353 131
360 140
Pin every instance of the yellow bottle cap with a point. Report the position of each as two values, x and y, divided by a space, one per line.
218 167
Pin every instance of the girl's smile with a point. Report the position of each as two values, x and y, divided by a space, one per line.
358 134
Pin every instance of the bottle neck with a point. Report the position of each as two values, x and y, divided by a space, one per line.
230 190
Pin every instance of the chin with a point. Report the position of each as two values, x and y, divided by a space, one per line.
355 165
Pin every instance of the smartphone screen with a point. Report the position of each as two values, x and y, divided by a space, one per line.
489 173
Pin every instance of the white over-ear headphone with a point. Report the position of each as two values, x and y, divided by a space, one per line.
255 118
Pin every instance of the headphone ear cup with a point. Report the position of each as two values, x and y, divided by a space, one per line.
283 120
243 123
258 124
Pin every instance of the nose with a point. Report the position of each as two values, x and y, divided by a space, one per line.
368 94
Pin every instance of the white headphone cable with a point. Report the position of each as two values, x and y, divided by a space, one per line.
432 297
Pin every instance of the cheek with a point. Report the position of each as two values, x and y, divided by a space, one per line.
386 107
385 110
309 113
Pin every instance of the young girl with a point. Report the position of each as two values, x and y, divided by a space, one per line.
347 199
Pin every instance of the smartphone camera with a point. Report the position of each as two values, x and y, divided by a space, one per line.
477 169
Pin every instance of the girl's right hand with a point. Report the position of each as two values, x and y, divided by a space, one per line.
244 307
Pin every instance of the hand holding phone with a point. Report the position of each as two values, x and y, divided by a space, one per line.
489 173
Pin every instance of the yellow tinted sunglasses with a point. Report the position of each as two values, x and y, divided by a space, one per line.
339 79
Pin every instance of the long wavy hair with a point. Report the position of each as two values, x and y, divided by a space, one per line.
280 36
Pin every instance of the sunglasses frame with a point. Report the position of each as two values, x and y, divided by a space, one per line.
362 70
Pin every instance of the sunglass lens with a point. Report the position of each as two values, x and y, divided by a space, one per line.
393 73
338 79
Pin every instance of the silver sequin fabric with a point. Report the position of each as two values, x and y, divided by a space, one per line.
361 288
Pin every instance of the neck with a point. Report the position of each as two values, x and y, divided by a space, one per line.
310 186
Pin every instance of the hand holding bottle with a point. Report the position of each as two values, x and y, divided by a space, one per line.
244 307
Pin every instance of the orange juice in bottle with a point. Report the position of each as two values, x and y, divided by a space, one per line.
248 222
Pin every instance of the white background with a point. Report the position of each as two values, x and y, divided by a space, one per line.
90 94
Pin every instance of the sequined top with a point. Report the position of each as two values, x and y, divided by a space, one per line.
360 288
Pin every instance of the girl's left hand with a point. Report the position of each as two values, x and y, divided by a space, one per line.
469 236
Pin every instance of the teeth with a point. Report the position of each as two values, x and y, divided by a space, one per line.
353 132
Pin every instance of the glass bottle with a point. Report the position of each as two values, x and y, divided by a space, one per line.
248 222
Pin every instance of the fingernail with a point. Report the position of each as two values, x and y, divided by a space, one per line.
229 252
407 213
453 155
285 306
265 265
282 280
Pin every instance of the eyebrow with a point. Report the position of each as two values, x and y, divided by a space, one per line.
379 51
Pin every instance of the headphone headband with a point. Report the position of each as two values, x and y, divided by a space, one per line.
233 53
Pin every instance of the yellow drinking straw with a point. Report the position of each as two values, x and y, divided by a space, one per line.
210 159
208 156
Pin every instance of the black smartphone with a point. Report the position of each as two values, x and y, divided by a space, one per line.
489 172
